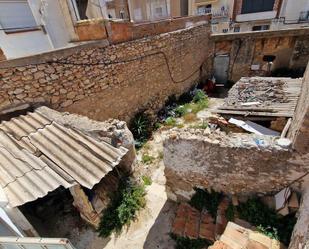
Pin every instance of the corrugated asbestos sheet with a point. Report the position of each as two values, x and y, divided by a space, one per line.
37 155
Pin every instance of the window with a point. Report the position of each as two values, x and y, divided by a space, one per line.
253 6
260 27
204 9
236 29
16 15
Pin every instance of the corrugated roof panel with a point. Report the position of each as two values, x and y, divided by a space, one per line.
70 155
37 155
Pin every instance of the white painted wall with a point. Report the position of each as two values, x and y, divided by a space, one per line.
47 13
292 8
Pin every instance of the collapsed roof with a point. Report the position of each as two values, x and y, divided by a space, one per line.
38 155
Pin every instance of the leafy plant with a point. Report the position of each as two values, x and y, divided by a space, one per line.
147 159
258 214
129 199
147 180
141 129
203 199
187 243
199 96
268 231
160 156
170 121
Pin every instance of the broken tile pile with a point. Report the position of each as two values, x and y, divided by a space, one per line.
238 237
193 224
251 90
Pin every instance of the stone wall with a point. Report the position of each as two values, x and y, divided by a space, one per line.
235 164
291 48
103 81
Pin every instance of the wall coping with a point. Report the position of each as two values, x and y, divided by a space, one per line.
261 34
55 54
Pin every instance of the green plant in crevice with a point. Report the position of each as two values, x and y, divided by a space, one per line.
147 159
268 231
170 121
123 208
199 95
187 243
202 125
141 129
204 199
147 180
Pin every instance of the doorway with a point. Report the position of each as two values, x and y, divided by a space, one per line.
221 68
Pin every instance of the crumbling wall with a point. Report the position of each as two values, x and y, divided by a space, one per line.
291 48
241 164
104 81
299 131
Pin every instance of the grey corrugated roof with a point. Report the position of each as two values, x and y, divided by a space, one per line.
37 155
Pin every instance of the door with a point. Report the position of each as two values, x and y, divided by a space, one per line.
221 68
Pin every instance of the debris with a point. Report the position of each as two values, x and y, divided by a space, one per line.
293 202
284 211
282 197
262 129
286 128
244 125
278 124
235 200
284 142
250 103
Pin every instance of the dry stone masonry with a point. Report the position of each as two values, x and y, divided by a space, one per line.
103 81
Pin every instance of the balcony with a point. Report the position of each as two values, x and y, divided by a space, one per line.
266 15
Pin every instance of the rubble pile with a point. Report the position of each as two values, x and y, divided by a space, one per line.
257 90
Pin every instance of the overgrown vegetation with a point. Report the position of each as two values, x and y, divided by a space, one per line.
202 125
125 204
147 180
260 215
147 159
186 243
204 199
141 129
170 121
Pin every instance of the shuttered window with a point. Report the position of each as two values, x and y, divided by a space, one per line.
253 6
16 15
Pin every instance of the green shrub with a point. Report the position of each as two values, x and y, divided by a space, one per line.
187 243
258 214
170 121
141 129
147 180
147 159
161 155
129 199
199 96
202 199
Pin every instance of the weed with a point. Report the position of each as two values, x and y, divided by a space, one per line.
141 129
202 199
199 96
147 159
186 243
160 156
189 117
258 214
129 199
170 121
147 180
268 231
202 125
